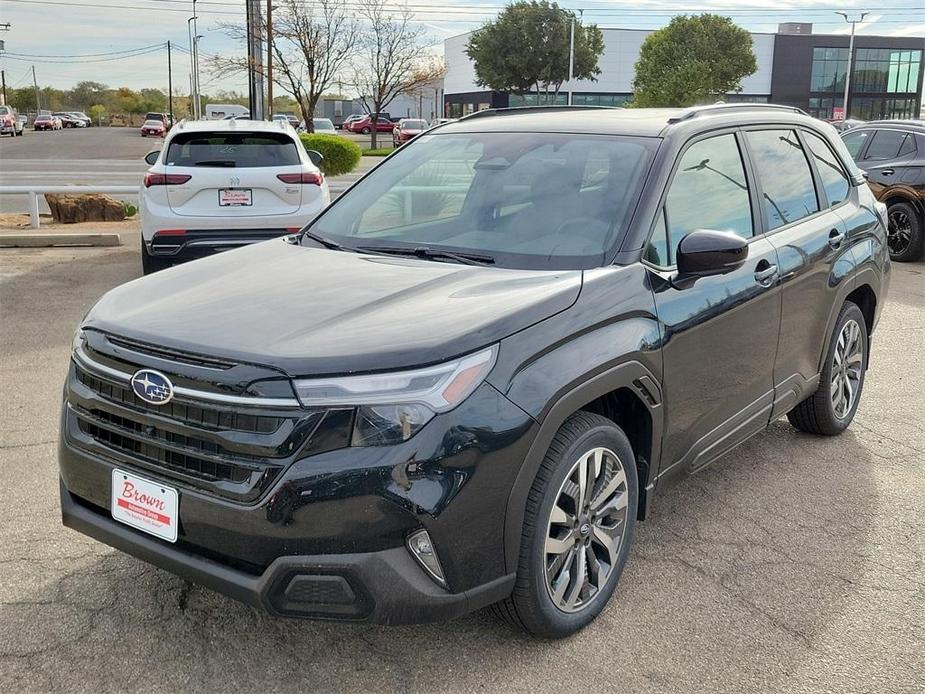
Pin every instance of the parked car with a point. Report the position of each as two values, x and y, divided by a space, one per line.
365 126
217 185
324 125
406 129
441 121
153 128
82 117
468 391
288 118
351 119
842 125
892 155
46 121
10 123
68 120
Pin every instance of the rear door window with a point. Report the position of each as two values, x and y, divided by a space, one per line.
855 142
885 144
786 179
232 150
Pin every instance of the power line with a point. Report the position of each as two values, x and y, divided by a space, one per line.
71 61
87 55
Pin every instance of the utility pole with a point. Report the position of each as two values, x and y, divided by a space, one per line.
169 83
38 102
269 59
3 79
571 55
255 60
193 99
853 22
196 38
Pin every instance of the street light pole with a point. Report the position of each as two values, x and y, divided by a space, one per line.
571 55
853 22
196 38
193 97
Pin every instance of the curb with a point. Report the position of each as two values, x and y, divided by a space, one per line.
48 240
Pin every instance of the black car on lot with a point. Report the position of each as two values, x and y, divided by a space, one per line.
466 381
892 156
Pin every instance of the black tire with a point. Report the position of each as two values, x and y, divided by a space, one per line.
365 131
150 263
530 606
816 414
908 249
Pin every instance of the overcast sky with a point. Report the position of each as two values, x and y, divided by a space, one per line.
45 33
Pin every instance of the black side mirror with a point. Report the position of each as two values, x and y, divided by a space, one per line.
703 253
151 157
316 157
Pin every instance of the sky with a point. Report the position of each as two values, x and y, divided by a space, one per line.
66 40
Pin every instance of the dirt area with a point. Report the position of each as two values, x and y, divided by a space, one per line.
20 223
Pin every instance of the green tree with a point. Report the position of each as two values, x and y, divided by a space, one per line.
87 93
695 59
127 101
527 49
97 113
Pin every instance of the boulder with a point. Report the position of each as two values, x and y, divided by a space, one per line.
70 208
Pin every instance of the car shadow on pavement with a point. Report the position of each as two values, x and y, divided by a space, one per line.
732 577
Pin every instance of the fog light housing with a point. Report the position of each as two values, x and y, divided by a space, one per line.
422 549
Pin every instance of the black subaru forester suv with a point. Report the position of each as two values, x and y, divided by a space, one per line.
465 382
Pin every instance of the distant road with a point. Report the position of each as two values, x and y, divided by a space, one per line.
95 156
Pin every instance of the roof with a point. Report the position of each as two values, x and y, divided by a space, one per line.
640 122
242 124
910 124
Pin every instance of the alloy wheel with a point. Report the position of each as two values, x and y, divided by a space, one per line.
899 231
586 529
847 366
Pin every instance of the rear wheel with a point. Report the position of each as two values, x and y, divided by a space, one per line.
578 528
365 131
832 407
150 263
905 236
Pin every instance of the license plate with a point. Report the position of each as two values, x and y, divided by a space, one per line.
143 504
234 197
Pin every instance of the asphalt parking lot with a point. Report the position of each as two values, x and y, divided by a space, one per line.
796 564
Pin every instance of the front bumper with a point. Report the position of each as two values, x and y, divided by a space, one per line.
385 587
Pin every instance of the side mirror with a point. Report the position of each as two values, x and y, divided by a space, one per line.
703 253
151 157
316 157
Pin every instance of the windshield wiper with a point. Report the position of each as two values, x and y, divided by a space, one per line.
325 241
216 162
431 253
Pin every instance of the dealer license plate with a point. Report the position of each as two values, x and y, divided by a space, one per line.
235 197
143 504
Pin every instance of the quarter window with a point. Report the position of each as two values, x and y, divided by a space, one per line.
855 142
834 180
709 191
786 179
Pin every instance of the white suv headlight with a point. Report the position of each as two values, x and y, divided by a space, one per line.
392 407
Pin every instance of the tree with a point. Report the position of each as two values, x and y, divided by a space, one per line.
389 61
527 49
87 93
97 113
695 59
312 42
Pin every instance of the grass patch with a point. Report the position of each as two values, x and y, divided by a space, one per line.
378 152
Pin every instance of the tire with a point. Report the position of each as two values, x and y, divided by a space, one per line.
149 263
365 131
819 413
532 606
906 238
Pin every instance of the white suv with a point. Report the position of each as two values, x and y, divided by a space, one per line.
220 184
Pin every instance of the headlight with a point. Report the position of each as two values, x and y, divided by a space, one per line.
78 340
392 407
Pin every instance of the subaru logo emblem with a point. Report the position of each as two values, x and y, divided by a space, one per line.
152 386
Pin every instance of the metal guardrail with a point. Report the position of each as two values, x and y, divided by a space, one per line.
34 191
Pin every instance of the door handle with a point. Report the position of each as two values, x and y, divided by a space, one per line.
887 172
765 276
836 237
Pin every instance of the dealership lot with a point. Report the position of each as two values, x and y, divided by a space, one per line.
794 564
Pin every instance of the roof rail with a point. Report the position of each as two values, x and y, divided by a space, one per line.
695 111
532 109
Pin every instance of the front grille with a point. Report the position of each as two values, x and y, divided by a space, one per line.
194 415
230 450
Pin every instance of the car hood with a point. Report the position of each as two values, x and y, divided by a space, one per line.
310 311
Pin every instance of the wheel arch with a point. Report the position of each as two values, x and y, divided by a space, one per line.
629 395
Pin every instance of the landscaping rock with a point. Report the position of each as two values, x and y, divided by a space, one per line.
69 208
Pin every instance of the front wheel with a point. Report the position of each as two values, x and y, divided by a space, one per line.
832 407
578 527
365 131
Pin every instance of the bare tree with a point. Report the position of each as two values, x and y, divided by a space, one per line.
311 44
390 61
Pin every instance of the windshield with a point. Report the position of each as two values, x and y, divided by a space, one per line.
322 124
224 149
413 124
527 200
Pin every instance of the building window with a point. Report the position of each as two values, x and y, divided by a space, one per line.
881 70
534 99
878 108
821 107
829 68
